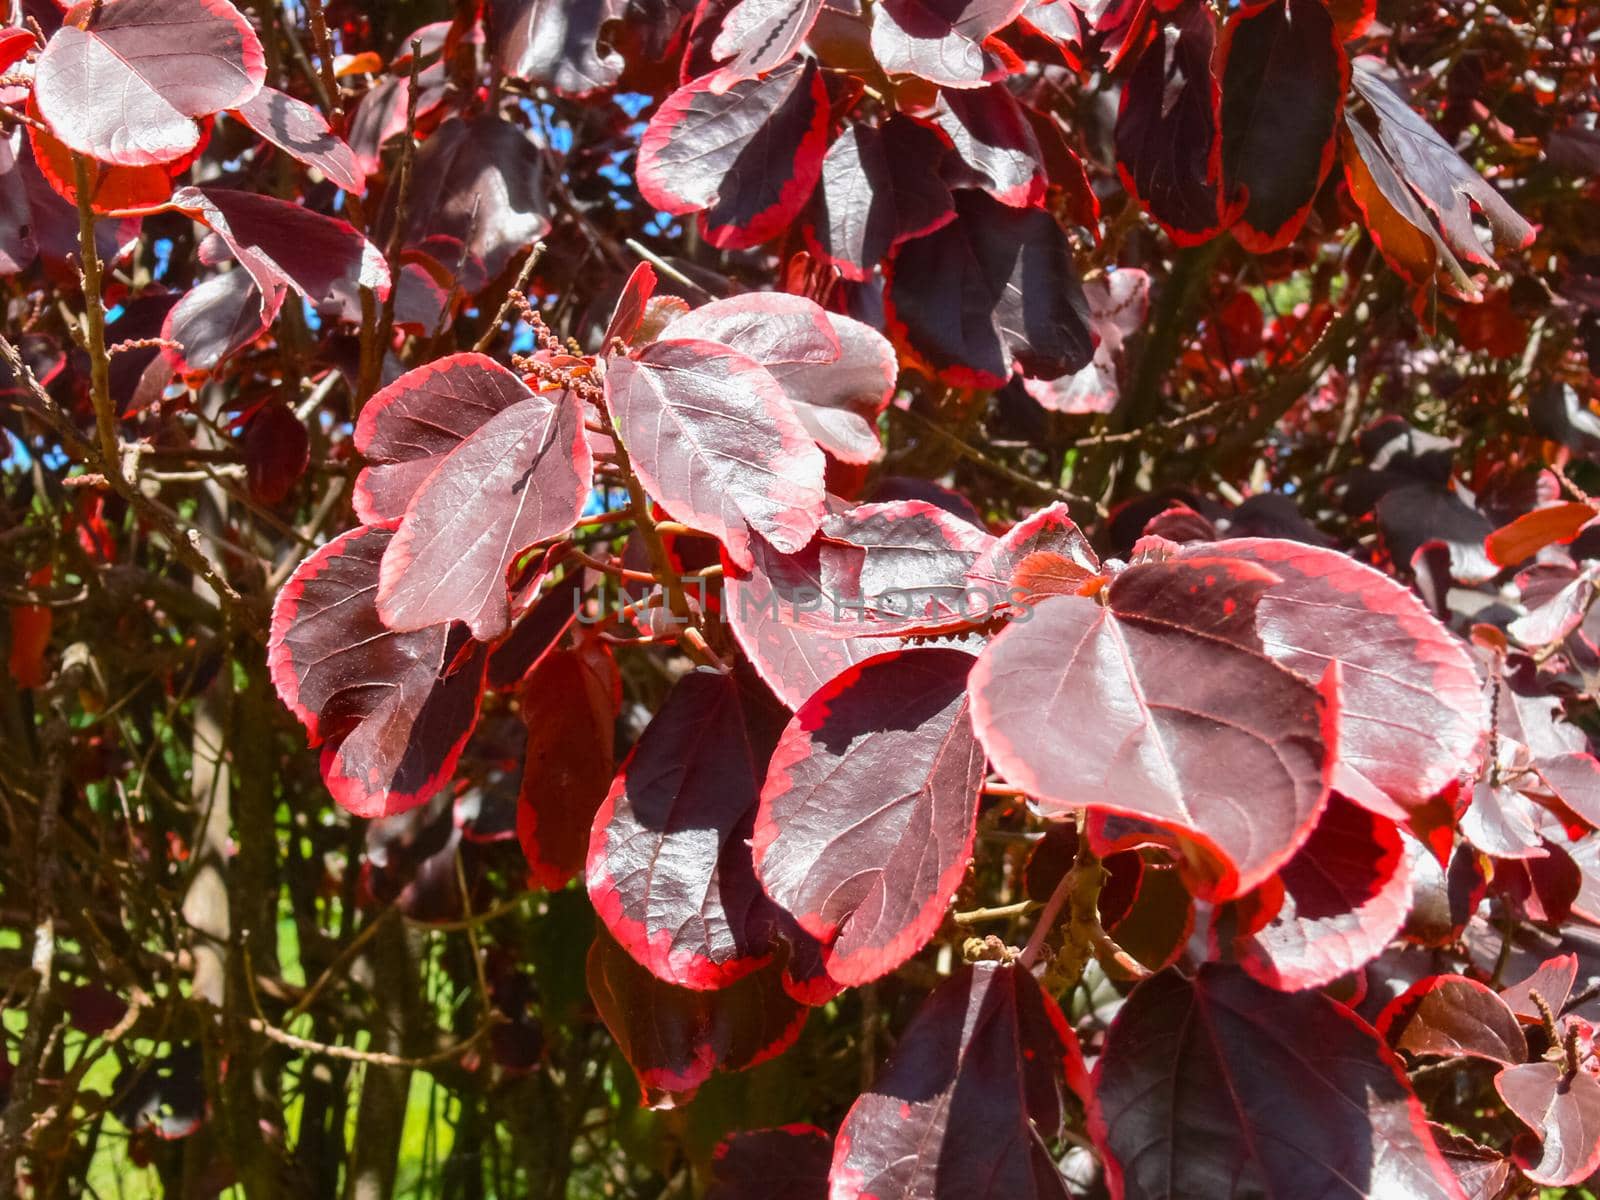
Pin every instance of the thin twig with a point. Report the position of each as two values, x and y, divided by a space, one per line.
486 339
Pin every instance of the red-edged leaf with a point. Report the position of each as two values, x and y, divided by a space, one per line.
1159 921
15 45
521 477
1410 709
1399 226
126 90
569 706
1564 1113
406 430
994 143
1574 778
1345 896
994 287
674 1038
214 319
774 328
764 607
112 188
301 131
630 308
1445 184
1043 554
1222 1086
1513 544
1553 981
1191 714
1168 134
942 41
1482 1173
553 41
715 440
482 182
838 373
898 567
745 159
1443 896
1118 305
1284 76
393 710
1451 1016
879 187
1558 601
976 1088
867 815
550 616
286 246
669 859
759 36
839 403
1502 822
790 1163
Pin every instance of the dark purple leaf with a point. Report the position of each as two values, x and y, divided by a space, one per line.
276 453
1482 1173
555 42
669 859
1284 75
520 478
879 187
1221 1086
715 440
994 287
1118 305
215 319
286 246
1435 172
1553 981
569 701
1345 896
126 91
790 1163
1192 714
1168 135
1564 1113
406 430
866 819
942 41
301 131
18 245
976 1089
390 711
674 1038
482 182
1451 1016
745 159
994 143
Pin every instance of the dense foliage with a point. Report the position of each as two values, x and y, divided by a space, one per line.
851 599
